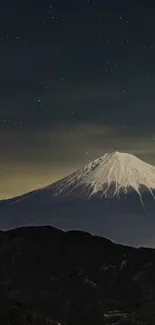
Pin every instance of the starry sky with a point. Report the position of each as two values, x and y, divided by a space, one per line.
77 79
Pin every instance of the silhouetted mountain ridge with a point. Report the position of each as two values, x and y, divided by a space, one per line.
76 278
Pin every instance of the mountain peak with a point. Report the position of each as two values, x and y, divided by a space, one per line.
120 155
112 173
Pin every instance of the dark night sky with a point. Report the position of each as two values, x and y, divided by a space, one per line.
67 66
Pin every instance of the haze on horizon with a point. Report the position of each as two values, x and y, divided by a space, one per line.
36 158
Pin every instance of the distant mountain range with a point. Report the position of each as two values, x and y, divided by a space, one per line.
113 196
48 276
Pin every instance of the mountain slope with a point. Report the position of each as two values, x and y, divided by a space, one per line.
75 278
110 174
113 197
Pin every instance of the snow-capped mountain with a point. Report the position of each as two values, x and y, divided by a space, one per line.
110 175
113 196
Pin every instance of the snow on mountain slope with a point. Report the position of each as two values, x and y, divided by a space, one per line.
109 175
113 196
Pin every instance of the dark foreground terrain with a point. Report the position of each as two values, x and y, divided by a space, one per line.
48 276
